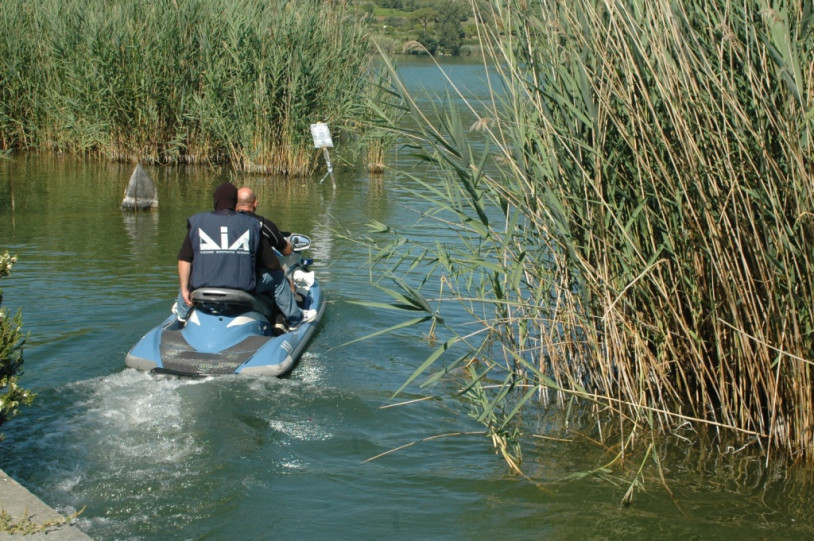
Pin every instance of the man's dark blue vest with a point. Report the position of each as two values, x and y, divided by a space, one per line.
225 246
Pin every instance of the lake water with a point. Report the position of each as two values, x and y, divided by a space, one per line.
151 457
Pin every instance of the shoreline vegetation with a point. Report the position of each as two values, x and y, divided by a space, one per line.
188 82
12 339
199 82
638 237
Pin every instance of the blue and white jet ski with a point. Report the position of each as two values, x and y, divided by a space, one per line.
230 331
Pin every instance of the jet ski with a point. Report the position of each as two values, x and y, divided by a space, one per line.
230 331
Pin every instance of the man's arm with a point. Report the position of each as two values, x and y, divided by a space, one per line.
265 257
275 237
185 256
184 270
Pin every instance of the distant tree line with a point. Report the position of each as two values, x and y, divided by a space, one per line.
440 27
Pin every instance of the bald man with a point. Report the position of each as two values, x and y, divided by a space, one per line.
271 279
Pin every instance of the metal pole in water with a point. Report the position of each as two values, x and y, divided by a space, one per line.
322 139
330 167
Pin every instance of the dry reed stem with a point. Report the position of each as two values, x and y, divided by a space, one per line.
656 157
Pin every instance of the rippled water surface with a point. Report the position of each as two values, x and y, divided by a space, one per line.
152 457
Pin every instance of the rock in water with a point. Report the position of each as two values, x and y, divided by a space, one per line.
140 192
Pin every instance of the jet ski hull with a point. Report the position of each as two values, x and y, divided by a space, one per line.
210 344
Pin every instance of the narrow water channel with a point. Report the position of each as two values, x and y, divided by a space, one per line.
152 457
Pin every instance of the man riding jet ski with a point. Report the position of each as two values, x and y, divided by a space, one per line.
223 323
241 258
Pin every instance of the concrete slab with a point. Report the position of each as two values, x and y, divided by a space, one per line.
19 503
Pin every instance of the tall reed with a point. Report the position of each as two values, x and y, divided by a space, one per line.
179 80
380 115
639 232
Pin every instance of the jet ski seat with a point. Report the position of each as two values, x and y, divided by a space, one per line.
221 300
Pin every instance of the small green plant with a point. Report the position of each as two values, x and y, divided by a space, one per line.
11 355
25 526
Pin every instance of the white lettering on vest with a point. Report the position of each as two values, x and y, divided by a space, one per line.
241 245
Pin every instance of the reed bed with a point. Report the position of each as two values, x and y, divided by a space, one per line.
637 239
179 81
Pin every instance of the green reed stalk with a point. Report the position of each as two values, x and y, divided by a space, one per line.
639 231
184 81
380 116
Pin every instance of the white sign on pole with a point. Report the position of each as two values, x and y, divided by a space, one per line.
321 135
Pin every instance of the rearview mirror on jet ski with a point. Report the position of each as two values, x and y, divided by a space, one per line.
299 242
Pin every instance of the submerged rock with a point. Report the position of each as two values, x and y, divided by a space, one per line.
141 192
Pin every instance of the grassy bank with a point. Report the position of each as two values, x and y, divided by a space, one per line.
652 170
179 81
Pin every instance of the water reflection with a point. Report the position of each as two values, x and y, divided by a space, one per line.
142 229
